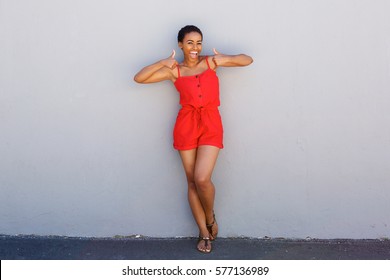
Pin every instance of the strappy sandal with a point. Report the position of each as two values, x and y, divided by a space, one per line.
210 228
206 240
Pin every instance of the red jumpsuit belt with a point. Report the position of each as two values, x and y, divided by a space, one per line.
197 112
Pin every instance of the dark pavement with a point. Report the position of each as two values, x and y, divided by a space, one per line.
132 248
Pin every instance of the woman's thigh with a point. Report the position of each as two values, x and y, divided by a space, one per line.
206 158
188 158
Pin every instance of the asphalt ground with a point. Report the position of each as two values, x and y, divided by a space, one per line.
142 248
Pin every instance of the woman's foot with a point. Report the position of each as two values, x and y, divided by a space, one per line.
204 244
213 228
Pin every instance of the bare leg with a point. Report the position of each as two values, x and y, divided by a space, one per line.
204 166
198 165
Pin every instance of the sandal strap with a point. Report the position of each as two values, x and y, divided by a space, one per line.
206 240
214 220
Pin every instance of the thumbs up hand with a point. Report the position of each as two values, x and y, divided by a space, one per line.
218 58
170 62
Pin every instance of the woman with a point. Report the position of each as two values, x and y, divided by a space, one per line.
198 130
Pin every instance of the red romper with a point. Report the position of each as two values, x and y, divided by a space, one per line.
198 121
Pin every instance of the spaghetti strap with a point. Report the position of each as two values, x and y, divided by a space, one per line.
178 71
207 61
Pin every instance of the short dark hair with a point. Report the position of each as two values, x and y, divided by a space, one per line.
187 29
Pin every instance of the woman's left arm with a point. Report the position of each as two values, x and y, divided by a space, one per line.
231 60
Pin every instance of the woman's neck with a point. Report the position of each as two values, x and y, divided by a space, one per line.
191 63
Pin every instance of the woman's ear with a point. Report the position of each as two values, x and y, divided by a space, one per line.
180 45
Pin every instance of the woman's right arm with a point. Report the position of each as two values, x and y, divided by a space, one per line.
157 72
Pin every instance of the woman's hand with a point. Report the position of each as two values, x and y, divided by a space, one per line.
159 71
170 62
231 60
218 59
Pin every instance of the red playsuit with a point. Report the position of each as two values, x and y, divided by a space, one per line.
198 121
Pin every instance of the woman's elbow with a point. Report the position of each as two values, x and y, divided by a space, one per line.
244 60
137 79
249 60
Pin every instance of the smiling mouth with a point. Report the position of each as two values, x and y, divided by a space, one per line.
194 54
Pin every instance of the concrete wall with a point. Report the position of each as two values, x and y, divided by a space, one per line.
84 151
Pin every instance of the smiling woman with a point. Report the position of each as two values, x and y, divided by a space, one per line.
193 41
198 132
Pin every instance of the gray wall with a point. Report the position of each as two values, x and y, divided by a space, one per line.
84 151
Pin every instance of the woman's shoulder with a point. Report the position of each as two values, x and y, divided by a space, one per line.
209 60
205 58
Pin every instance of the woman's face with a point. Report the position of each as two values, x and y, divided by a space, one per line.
191 45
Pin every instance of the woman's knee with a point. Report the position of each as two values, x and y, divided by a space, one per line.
202 182
191 185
